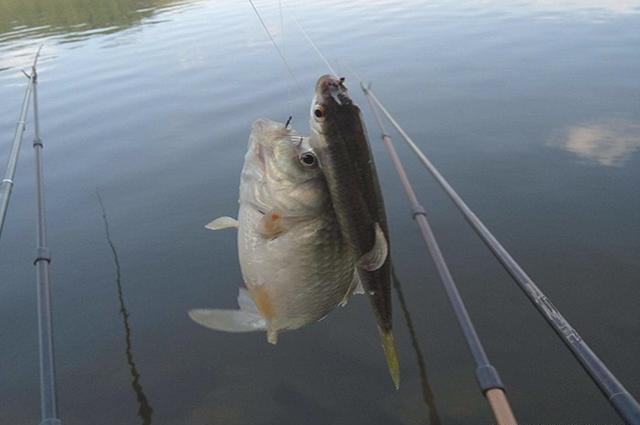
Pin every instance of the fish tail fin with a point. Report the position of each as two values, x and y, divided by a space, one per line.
246 319
389 347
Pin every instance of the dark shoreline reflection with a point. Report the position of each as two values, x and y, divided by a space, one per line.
76 19
145 410
427 393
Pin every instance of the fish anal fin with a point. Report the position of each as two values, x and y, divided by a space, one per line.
375 258
263 301
264 305
272 336
222 223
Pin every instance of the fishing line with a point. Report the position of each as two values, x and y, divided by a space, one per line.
282 43
315 47
273 41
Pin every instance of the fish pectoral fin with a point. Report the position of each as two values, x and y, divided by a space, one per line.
375 258
355 287
272 224
222 223
228 320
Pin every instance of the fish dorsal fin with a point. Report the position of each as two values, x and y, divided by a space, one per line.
272 224
375 258
222 223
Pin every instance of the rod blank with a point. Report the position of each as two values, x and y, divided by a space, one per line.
617 395
6 186
48 402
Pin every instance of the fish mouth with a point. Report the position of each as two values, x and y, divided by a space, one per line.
331 87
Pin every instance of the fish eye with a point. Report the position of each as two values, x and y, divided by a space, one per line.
308 159
318 111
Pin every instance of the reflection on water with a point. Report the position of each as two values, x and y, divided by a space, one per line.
427 393
62 21
144 408
610 143
612 6
73 16
157 113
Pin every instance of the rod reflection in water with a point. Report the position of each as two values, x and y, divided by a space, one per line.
427 393
145 410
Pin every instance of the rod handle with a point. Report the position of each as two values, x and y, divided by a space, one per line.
500 406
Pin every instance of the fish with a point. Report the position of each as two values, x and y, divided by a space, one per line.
339 139
295 263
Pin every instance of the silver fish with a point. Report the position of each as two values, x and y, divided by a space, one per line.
339 139
295 263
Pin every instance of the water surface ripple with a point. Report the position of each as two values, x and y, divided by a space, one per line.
529 108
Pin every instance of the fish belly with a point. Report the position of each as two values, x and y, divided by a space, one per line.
299 276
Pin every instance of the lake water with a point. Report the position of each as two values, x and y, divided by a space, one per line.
530 109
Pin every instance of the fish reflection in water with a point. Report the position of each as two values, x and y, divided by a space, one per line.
145 410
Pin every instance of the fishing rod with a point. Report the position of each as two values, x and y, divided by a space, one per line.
6 186
48 402
486 375
617 395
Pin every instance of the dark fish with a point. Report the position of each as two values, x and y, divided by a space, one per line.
339 139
